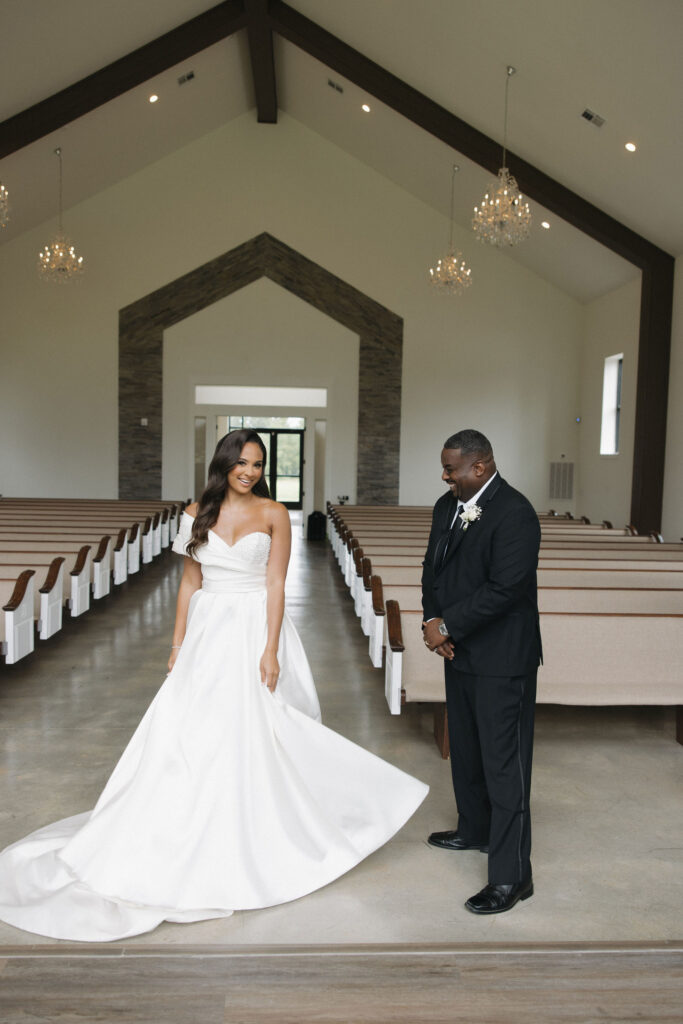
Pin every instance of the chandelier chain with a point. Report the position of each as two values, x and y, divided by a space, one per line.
60 227
510 73
4 206
450 237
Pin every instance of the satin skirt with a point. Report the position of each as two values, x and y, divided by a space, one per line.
228 797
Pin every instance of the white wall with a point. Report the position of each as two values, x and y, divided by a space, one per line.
504 358
263 335
612 325
672 519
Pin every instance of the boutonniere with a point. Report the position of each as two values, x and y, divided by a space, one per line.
469 514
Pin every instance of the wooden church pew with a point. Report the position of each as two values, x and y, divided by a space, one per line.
17 623
589 659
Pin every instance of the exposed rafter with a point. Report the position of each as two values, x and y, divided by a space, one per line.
260 37
262 18
656 265
455 132
113 80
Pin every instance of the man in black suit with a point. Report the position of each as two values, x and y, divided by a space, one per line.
481 616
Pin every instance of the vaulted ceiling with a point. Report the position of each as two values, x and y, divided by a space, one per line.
619 58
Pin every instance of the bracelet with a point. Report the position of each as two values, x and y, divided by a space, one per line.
176 647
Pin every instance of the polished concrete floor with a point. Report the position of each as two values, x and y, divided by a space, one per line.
607 794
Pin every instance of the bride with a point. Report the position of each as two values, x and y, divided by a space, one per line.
231 795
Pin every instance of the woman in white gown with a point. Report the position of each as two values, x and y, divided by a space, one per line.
231 794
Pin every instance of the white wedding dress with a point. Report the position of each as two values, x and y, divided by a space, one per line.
227 797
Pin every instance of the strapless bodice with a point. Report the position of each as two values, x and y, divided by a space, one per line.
237 568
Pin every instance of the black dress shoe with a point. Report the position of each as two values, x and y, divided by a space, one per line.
494 899
452 841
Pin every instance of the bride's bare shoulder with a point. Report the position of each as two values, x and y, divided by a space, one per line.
275 511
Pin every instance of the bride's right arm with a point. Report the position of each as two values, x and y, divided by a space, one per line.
191 581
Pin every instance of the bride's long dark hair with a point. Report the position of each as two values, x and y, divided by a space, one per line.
226 456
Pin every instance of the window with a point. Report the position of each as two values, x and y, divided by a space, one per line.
258 423
611 404
209 394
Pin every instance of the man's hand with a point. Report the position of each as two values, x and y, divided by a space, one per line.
446 650
434 640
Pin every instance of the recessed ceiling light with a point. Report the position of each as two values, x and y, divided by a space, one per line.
544 224
153 98
631 147
366 108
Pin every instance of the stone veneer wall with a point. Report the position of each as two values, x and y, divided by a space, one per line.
141 332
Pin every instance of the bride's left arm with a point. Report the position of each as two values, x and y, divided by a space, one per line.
280 547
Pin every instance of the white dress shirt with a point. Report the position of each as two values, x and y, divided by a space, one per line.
474 500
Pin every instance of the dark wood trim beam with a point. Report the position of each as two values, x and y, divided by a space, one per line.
444 125
137 67
260 37
649 448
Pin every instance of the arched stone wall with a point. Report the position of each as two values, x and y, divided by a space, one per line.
141 331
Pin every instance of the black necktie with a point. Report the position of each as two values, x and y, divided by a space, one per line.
453 529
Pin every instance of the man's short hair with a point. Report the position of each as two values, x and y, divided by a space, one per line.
470 442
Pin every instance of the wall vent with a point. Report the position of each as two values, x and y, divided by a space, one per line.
593 118
335 85
187 77
562 480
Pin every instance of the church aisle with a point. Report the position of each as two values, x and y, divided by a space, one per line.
607 798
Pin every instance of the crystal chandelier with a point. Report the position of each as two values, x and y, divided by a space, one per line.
451 275
58 260
4 206
503 216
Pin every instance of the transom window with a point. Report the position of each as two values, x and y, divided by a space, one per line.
216 394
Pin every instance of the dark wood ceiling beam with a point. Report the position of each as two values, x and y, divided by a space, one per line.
109 82
655 264
652 391
260 37
455 132
262 18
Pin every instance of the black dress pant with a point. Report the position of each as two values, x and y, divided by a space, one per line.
491 731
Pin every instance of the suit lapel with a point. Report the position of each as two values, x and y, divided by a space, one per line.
459 536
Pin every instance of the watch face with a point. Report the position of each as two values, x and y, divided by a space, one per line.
443 629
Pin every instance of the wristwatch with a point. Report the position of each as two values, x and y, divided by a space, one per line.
443 629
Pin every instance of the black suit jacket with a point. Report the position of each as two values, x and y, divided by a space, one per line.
485 590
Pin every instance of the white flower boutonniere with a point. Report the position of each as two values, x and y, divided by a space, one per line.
469 514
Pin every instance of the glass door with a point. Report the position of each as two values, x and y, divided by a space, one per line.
286 458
